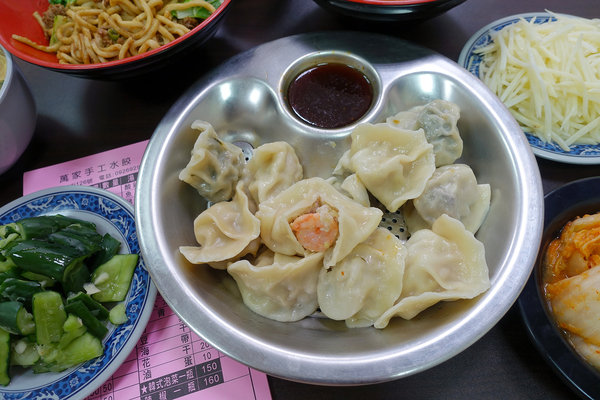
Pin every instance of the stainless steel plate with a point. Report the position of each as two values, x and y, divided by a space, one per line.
245 100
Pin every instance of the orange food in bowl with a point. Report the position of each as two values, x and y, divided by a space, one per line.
571 275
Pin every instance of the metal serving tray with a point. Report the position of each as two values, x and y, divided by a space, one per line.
245 101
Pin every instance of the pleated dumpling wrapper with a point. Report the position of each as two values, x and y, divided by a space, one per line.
279 287
452 190
223 231
273 168
312 216
443 263
365 283
345 180
215 166
394 164
438 119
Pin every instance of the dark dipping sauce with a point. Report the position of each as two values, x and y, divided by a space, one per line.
330 95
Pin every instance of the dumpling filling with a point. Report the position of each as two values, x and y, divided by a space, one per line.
316 231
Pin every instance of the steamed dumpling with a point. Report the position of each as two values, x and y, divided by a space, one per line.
224 231
451 190
352 187
272 168
312 216
442 264
347 182
394 164
280 287
249 251
438 119
364 284
215 166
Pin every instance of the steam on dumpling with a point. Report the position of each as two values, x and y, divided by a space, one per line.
394 164
224 231
442 264
364 284
280 287
215 166
272 168
451 190
312 216
439 120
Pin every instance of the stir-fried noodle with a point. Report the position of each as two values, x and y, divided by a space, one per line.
88 31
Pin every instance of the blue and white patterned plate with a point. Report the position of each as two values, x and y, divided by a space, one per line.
578 154
112 215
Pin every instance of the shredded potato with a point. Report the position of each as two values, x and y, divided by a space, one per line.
548 76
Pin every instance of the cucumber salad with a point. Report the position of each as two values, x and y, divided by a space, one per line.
61 284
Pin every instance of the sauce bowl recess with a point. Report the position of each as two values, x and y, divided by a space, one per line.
330 95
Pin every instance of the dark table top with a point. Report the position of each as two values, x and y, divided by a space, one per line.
78 117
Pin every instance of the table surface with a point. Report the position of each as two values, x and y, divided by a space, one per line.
78 117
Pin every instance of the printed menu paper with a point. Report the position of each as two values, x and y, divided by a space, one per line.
170 361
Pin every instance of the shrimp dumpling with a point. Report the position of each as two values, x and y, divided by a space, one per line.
272 168
443 263
224 231
394 164
312 216
365 283
452 190
277 286
215 166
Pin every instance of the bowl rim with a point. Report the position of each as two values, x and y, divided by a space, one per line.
115 63
9 74
394 2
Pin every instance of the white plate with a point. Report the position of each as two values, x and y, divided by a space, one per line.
578 154
112 215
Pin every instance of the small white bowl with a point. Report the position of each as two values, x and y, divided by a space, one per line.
18 114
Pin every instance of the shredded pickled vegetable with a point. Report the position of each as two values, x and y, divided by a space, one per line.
547 74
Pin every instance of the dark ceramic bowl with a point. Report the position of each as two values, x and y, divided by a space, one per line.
389 10
561 205
16 17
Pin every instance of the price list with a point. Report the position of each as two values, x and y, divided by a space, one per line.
183 382
172 362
